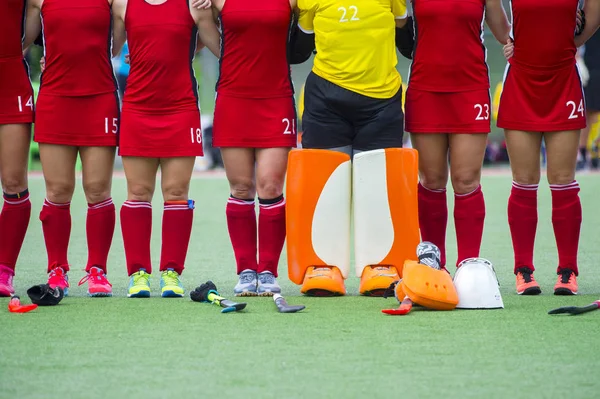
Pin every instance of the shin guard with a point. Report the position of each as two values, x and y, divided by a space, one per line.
385 207
318 211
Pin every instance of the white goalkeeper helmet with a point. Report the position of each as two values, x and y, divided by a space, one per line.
477 285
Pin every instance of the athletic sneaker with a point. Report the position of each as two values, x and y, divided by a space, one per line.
375 280
526 284
170 284
98 284
267 284
58 278
247 284
139 285
6 281
566 283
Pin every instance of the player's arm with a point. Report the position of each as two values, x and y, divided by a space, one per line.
591 10
207 30
33 24
496 20
119 35
405 33
302 42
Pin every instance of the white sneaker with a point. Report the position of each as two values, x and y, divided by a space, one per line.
267 284
247 284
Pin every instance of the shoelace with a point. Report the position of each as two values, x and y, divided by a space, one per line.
141 279
171 278
57 274
526 273
99 276
246 278
266 278
565 276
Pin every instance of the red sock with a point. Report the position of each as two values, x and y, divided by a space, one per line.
241 223
271 233
469 217
14 221
56 225
523 219
178 218
136 226
100 228
566 220
433 218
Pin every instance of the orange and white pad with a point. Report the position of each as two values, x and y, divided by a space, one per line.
385 207
318 211
429 287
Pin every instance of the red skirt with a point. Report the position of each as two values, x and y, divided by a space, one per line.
16 94
89 121
542 101
254 123
153 135
439 112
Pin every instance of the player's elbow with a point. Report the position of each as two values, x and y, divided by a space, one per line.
405 39
302 46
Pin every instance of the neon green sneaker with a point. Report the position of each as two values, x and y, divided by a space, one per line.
139 285
170 285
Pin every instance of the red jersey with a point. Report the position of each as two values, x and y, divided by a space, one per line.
449 55
162 43
77 40
543 32
254 50
12 22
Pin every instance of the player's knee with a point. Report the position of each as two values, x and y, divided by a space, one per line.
465 183
14 184
176 192
243 189
59 192
140 192
561 177
433 181
96 191
526 177
270 189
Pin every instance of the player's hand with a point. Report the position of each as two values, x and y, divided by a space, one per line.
127 59
584 73
42 64
580 22
509 49
201 4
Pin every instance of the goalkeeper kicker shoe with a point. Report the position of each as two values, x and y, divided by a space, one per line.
267 284
139 285
247 284
526 284
323 281
170 284
98 284
375 280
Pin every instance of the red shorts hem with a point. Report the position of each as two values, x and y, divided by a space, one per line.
239 144
424 129
60 139
16 119
536 127
163 153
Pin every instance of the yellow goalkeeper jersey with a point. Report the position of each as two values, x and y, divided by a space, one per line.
355 43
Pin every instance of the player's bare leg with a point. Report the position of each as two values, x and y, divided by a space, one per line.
524 152
271 167
240 166
566 206
466 158
16 211
136 222
433 176
98 165
58 165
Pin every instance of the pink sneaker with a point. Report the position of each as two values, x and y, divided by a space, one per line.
58 278
6 281
98 284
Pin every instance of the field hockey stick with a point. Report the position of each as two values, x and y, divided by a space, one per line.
404 309
283 306
574 310
14 306
208 293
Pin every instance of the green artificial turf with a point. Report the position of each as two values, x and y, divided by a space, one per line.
337 348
